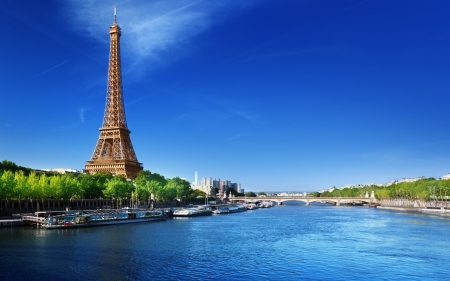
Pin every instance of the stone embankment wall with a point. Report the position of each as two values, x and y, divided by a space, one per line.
413 203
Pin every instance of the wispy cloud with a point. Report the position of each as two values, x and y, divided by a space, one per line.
155 92
81 113
58 65
249 116
152 28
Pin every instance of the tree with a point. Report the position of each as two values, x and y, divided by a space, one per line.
118 188
182 187
6 165
167 194
93 185
153 187
159 178
44 188
65 187
250 194
7 184
197 193
33 187
142 178
20 187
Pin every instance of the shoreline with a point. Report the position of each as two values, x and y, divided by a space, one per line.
16 220
404 209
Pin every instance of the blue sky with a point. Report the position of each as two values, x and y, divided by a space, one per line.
293 95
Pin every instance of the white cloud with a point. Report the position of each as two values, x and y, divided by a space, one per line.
151 28
81 113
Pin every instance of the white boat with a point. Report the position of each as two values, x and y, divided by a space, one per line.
237 208
193 212
266 204
221 210
74 219
251 206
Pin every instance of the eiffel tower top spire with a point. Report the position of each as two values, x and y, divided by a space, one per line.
114 111
114 152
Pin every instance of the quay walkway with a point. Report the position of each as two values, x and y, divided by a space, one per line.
11 221
19 220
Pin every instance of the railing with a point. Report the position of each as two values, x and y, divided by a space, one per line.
38 220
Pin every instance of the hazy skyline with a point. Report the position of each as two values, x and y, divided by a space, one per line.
288 95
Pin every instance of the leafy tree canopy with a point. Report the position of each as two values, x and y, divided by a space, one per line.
250 194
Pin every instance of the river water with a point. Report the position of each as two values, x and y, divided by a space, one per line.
292 242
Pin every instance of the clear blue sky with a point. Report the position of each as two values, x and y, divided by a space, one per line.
293 95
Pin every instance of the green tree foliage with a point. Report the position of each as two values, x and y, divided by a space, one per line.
197 193
250 194
424 190
7 184
20 187
33 187
93 185
21 183
165 190
142 177
44 188
152 188
118 188
65 187
166 194
6 165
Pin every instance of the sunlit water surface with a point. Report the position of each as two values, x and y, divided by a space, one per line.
296 242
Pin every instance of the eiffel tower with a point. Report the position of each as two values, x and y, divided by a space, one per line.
114 152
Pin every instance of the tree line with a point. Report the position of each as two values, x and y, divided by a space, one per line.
21 183
426 189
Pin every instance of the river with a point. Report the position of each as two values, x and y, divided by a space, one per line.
291 242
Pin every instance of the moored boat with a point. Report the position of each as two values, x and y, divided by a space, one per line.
73 219
237 208
221 210
251 206
168 212
194 212
266 204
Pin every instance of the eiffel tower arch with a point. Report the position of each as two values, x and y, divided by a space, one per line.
114 152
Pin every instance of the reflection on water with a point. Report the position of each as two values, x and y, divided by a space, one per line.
292 242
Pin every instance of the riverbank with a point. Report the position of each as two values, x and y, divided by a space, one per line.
16 219
403 209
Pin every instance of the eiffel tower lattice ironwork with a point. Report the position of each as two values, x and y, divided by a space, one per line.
114 152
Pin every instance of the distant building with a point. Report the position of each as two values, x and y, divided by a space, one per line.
208 185
65 171
411 179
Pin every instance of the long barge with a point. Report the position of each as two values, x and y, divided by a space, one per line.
74 219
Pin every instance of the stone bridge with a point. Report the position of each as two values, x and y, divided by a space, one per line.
335 200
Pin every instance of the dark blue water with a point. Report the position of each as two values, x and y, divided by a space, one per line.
317 242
